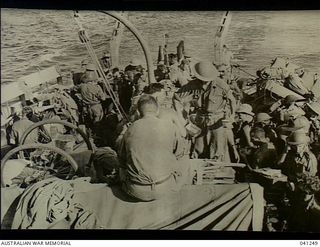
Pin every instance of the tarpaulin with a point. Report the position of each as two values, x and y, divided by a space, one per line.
234 207
47 204
196 207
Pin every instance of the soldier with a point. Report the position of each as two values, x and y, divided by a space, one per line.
265 155
227 55
297 157
313 114
299 162
183 74
149 168
157 91
20 126
264 120
31 114
242 131
210 98
226 75
282 108
92 95
161 73
76 77
106 61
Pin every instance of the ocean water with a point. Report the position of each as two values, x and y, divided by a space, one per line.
33 39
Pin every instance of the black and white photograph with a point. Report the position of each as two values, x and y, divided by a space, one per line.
160 120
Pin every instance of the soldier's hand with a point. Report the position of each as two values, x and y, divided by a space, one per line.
236 155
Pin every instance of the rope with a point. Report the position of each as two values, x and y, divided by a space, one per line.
100 73
237 67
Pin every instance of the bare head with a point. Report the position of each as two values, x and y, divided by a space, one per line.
148 106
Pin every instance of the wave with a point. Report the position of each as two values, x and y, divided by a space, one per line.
46 57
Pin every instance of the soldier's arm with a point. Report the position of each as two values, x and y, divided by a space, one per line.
230 138
283 155
247 130
101 95
179 108
179 123
313 164
13 136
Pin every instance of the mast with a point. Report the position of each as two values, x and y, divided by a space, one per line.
165 49
219 39
116 40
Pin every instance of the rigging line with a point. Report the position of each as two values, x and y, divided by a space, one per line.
108 86
237 67
92 54
86 41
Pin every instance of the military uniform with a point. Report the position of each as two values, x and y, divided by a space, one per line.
19 127
295 164
148 163
212 105
92 95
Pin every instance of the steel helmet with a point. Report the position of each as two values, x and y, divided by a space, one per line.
205 71
245 108
87 78
262 116
290 99
135 62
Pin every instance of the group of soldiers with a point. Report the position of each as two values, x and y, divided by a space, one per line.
196 109
212 120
